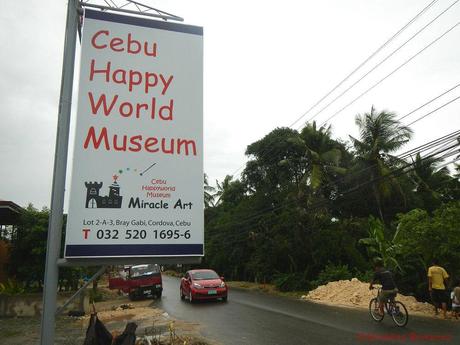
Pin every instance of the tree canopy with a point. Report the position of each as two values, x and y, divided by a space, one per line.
309 206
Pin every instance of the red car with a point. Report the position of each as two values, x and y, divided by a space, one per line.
203 285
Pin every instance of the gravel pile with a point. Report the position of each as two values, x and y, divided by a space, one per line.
354 293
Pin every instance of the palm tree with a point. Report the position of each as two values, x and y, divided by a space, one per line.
208 190
429 180
457 169
380 135
323 154
222 188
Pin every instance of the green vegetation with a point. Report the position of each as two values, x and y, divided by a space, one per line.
332 273
11 288
28 254
309 209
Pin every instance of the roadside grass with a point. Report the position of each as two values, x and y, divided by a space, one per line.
172 273
7 333
265 288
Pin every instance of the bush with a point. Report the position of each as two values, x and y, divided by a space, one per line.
290 282
365 276
11 288
331 273
95 295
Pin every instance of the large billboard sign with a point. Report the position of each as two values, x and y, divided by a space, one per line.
137 175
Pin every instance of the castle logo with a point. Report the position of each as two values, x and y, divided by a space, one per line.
94 200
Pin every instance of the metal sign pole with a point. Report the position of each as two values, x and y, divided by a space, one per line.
47 331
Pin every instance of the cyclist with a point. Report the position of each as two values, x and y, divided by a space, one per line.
385 278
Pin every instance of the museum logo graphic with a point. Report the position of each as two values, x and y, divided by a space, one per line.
94 200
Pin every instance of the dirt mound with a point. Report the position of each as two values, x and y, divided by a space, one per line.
354 293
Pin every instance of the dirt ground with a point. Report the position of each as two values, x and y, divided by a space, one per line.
354 293
153 323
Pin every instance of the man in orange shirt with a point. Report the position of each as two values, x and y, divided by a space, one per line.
437 276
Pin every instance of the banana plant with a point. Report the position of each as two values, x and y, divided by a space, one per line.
378 245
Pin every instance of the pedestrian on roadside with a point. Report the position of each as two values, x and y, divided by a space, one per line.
437 279
455 296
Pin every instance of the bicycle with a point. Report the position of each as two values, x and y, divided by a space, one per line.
396 309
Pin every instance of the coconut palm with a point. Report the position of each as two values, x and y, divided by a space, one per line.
208 190
323 154
380 135
429 180
222 188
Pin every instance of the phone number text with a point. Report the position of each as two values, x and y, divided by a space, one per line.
138 234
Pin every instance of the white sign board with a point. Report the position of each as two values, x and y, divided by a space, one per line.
137 176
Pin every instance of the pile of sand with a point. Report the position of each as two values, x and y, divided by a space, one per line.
354 293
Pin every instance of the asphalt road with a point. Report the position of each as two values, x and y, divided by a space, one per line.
251 318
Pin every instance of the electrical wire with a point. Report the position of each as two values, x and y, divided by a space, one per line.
391 73
431 112
420 13
367 59
430 101
430 144
449 163
382 61
449 138
395 172
318 204
418 108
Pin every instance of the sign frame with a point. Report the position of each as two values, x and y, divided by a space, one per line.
105 235
53 250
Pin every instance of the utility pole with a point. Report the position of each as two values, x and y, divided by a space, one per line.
47 331
53 260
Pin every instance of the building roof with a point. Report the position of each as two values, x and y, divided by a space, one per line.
9 212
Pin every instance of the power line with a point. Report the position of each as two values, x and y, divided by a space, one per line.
431 112
446 141
363 63
425 146
452 150
418 108
430 101
321 203
393 72
448 163
367 59
382 61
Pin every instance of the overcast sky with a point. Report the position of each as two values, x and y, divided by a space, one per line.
265 64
